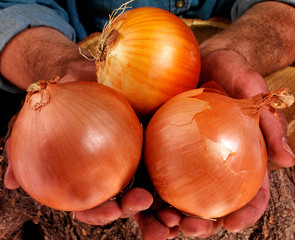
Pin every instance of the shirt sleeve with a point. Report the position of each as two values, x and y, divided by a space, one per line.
241 6
16 16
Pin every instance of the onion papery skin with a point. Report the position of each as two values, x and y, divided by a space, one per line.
153 57
205 152
77 150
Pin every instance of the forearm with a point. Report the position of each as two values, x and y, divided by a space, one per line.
264 36
43 53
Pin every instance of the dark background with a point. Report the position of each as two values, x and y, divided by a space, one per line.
9 106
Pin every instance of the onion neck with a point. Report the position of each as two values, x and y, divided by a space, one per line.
105 43
40 88
40 85
277 99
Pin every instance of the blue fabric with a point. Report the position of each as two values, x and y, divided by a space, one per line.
241 6
89 16
78 18
91 9
16 16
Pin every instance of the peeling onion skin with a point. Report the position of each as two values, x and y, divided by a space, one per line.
205 152
150 56
79 149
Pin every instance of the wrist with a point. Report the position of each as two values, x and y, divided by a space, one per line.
264 36
42 53
81 70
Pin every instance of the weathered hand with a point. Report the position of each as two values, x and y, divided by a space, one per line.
233 73
9 179
130 203
240 76
163 222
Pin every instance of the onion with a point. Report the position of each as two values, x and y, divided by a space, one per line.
74 145
205 153
148 55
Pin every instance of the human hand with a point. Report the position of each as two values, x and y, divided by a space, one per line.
168 220
235 75
236 61
17 57
240 80
163 222
131 202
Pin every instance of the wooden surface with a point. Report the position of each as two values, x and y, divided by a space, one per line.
285 78
22 218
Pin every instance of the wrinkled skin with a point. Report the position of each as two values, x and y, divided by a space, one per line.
70 65
237 59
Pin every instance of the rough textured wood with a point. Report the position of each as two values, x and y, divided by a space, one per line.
22 218
285 78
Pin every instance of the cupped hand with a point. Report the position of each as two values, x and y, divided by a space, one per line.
163 222
233 73
130 203
239 79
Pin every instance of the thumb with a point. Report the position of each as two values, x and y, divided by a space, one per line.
10 181
240 80
275 133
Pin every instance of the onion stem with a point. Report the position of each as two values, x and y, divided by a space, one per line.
40 85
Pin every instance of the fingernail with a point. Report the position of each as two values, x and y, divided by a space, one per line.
287 147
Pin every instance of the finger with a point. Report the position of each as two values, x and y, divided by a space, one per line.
232 73
244 82
217 225
170 217
197 227
134 201
150 227
10 181
101 215
173 232
274 130
214 85
250 214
